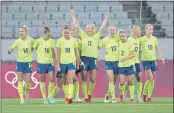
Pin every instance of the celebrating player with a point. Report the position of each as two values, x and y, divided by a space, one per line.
110 43
45 59
149 45
24 60
89 53
126 54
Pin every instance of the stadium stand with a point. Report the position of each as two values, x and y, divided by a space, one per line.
57 14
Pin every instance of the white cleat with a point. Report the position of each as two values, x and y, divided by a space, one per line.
78 100
22 102
114 101
106 100
139 99
27 98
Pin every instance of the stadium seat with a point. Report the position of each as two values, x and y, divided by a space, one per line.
91 8
26 8
65 8
95 15
6 16
104 7
7 32
53 8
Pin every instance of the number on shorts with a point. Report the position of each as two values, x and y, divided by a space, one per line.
46 50
25 50
113 48
122 53
89 43
150 47
136 49
67 50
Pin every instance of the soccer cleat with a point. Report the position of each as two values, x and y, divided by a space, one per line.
89 98
149 100
132 101
86 100
22 102
27 98
106 100
114 101
78 100
51 100
70 101
121 98
45 101
139 99
144 98
66 100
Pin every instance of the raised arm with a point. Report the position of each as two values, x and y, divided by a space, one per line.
104 22
75 23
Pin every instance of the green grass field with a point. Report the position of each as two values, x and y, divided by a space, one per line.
159 105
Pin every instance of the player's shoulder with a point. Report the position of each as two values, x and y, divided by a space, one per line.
154 37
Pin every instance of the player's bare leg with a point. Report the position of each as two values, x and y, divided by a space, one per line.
51 82
76 89
70 76
93 75
27 79
20 86
43 88
131 87
121 86
84 85
139 86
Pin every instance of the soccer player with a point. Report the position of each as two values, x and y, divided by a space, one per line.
89 53
110 43
149 46
45 59
126 68
135 34
24 61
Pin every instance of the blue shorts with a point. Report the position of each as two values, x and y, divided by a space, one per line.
137 68
150 65
89 63
127 70
24 67
66 67
112 65
44 68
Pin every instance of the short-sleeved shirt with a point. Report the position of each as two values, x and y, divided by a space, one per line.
148 48
124 50
24 49
89 44
67 46
111 47
137 49
44 50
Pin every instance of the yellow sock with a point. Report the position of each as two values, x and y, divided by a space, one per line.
50 88
84 90
150 88
139 88
121 89
126 86
108 93
70 91
146 87
43 90
27 88
20 90
76 90
112 89
54 92
65 90
91 87
131 89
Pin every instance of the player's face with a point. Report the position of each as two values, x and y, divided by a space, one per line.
47 35
149 30
138 32
22 32
122 36
111 30
89 29
73 33
66 33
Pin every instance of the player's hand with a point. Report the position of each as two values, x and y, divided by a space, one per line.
82 64
123 59
72 12
107 15
10 51
57 68
163 61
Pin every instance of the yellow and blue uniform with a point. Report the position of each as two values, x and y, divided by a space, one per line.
137 52
126 68
24 57
44 55
111 54
148 50
89 50
67 54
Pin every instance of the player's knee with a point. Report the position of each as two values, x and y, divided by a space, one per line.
121 84
130 83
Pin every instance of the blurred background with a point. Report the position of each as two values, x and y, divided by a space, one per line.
36 15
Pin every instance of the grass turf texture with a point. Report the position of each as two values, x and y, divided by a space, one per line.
159 105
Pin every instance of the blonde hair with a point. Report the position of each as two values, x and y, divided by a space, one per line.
111 25
25 27
121 31
148 25
134 27
93 26
73 29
